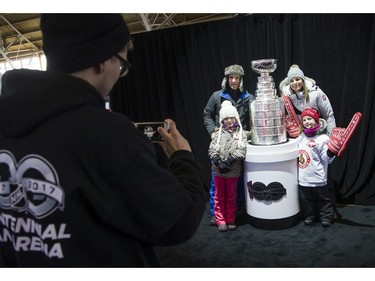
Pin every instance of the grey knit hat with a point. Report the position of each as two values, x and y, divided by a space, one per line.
234 69
295 71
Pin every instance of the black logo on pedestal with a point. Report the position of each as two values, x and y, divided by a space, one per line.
271 192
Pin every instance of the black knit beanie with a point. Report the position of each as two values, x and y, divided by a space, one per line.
72 42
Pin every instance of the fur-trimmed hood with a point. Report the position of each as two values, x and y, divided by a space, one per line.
323 125
285 88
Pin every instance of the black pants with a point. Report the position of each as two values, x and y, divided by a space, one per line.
315 201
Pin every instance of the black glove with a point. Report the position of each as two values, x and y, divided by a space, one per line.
230 160
216 160
330 153
223 168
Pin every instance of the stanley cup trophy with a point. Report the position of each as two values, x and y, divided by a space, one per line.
267 110
270 167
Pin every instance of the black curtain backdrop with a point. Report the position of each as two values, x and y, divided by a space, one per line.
176 70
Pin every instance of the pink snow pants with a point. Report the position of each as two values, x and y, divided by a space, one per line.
225 200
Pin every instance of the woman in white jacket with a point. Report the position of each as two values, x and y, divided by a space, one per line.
303 92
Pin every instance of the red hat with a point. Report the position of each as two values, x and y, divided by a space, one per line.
312 112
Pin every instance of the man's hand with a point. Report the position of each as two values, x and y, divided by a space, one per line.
172 139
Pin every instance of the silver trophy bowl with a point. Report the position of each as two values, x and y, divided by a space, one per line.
264 65
267 111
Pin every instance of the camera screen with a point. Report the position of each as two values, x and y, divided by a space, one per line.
149 130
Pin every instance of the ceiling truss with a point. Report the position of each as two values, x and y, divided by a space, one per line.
20 35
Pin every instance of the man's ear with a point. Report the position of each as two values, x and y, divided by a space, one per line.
100 67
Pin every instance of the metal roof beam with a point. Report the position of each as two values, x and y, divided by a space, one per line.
6 57
145 22
168 19
20 34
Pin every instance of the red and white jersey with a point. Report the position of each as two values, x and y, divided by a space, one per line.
313 160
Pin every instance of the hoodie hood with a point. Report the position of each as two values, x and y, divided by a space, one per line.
31 97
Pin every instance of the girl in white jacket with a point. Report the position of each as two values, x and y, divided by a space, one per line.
227 151
314 158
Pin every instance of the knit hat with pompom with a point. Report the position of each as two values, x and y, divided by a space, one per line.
295 71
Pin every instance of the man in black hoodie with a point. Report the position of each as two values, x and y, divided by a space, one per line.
80 185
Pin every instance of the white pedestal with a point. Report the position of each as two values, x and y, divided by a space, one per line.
271 185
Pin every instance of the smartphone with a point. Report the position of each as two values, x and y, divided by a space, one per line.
149 129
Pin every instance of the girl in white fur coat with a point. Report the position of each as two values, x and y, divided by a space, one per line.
227 151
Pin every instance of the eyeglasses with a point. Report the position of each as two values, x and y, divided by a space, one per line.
124 67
